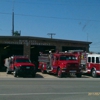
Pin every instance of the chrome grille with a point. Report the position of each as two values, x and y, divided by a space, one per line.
72 65
27 68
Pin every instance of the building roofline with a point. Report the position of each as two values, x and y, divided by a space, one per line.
43 38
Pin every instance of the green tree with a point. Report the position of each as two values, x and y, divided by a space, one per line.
16 33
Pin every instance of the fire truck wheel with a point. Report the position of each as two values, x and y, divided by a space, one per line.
93 73
59 73
15 73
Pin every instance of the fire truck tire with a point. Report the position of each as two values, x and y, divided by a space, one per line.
15 73
60 75
7 71
93 73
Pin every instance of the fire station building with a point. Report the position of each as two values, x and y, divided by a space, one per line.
31 46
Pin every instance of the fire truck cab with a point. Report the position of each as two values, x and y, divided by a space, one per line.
82 58
60 63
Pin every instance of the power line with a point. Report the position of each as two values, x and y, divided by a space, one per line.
51 17
5 13
56 3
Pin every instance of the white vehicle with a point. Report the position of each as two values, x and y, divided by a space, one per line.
93 64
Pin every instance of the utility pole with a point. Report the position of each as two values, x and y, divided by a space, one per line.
51 34
12 23
13 19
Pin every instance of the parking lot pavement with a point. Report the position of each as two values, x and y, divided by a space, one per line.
38 75
4 75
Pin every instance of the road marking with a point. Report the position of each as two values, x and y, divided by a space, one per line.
72 93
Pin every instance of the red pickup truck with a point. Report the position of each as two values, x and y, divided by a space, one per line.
20 66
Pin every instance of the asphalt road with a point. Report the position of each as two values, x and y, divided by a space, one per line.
49 89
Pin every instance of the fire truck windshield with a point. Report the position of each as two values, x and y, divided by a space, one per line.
68 58
22 60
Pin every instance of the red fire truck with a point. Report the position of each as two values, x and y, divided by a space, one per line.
20 65
60 63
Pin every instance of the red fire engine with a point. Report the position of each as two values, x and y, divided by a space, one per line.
20 65
60 63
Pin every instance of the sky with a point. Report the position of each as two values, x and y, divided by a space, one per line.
68 19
